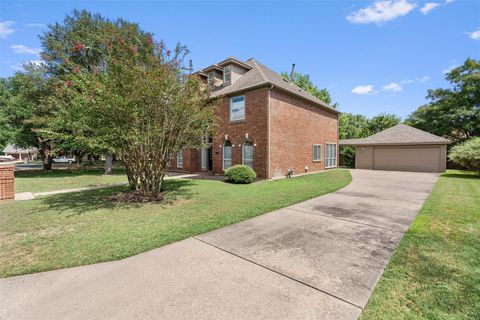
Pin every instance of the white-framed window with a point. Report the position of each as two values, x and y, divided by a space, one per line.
180 159
237 108
247 154
207 139
204 159
330 155
317 153
211 78
227 155
227 74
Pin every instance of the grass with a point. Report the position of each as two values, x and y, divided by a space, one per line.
65 179
82 228
435 272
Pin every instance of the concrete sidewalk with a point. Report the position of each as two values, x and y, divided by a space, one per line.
319 259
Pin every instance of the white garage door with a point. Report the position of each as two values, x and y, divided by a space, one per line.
423 159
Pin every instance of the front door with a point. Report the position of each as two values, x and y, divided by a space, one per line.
210 159
207 158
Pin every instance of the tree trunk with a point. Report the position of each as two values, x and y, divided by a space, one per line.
79 156
108 163
47 159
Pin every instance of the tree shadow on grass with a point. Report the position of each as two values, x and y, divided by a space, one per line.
86 201
65 173
471 175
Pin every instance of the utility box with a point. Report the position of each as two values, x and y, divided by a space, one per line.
7 182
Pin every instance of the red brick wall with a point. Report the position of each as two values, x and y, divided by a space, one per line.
295 127
255 125
7 191
191 161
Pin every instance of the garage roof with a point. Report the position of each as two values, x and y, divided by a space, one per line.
401 134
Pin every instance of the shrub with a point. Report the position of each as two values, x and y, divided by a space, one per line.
240 174
467 154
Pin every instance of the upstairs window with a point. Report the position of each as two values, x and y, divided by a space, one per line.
227 74
211 78
237 108
317 152
207 139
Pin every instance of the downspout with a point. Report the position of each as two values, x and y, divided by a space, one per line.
338 137
268 133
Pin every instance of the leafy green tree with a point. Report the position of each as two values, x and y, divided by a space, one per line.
21 107
5 128
139 101
351 126
467 154
77 44
355 126
303 81
381 122
453 113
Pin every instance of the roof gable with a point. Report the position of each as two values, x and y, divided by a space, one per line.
260 75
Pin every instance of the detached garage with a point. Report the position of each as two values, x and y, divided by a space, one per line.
400 148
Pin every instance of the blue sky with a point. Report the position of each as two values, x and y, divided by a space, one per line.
373 56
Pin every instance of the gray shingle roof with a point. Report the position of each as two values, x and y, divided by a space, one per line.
397 135
11 148
261 75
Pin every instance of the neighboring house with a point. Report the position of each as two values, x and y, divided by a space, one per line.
265 122
400 148
21 154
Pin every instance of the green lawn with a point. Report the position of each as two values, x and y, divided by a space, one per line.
435 272
81 228
65 179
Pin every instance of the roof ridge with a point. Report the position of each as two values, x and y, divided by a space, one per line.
259 69
398 134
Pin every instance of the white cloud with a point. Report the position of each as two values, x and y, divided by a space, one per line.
368 89
5 29
20 66
429 6
21 49
381 11
35 25
392 87
416 80
475 35
450 68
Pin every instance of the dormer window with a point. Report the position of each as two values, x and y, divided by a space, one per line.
211 78
227 74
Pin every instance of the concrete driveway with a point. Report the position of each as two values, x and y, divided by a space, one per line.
319 259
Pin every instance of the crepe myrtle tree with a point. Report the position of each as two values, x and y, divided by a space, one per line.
141 102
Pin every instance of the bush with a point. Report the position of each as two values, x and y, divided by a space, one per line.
467 154
348 154
240 174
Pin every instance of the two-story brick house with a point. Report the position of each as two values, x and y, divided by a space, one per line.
264 122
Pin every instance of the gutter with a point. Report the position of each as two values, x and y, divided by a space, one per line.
393 144
271 85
